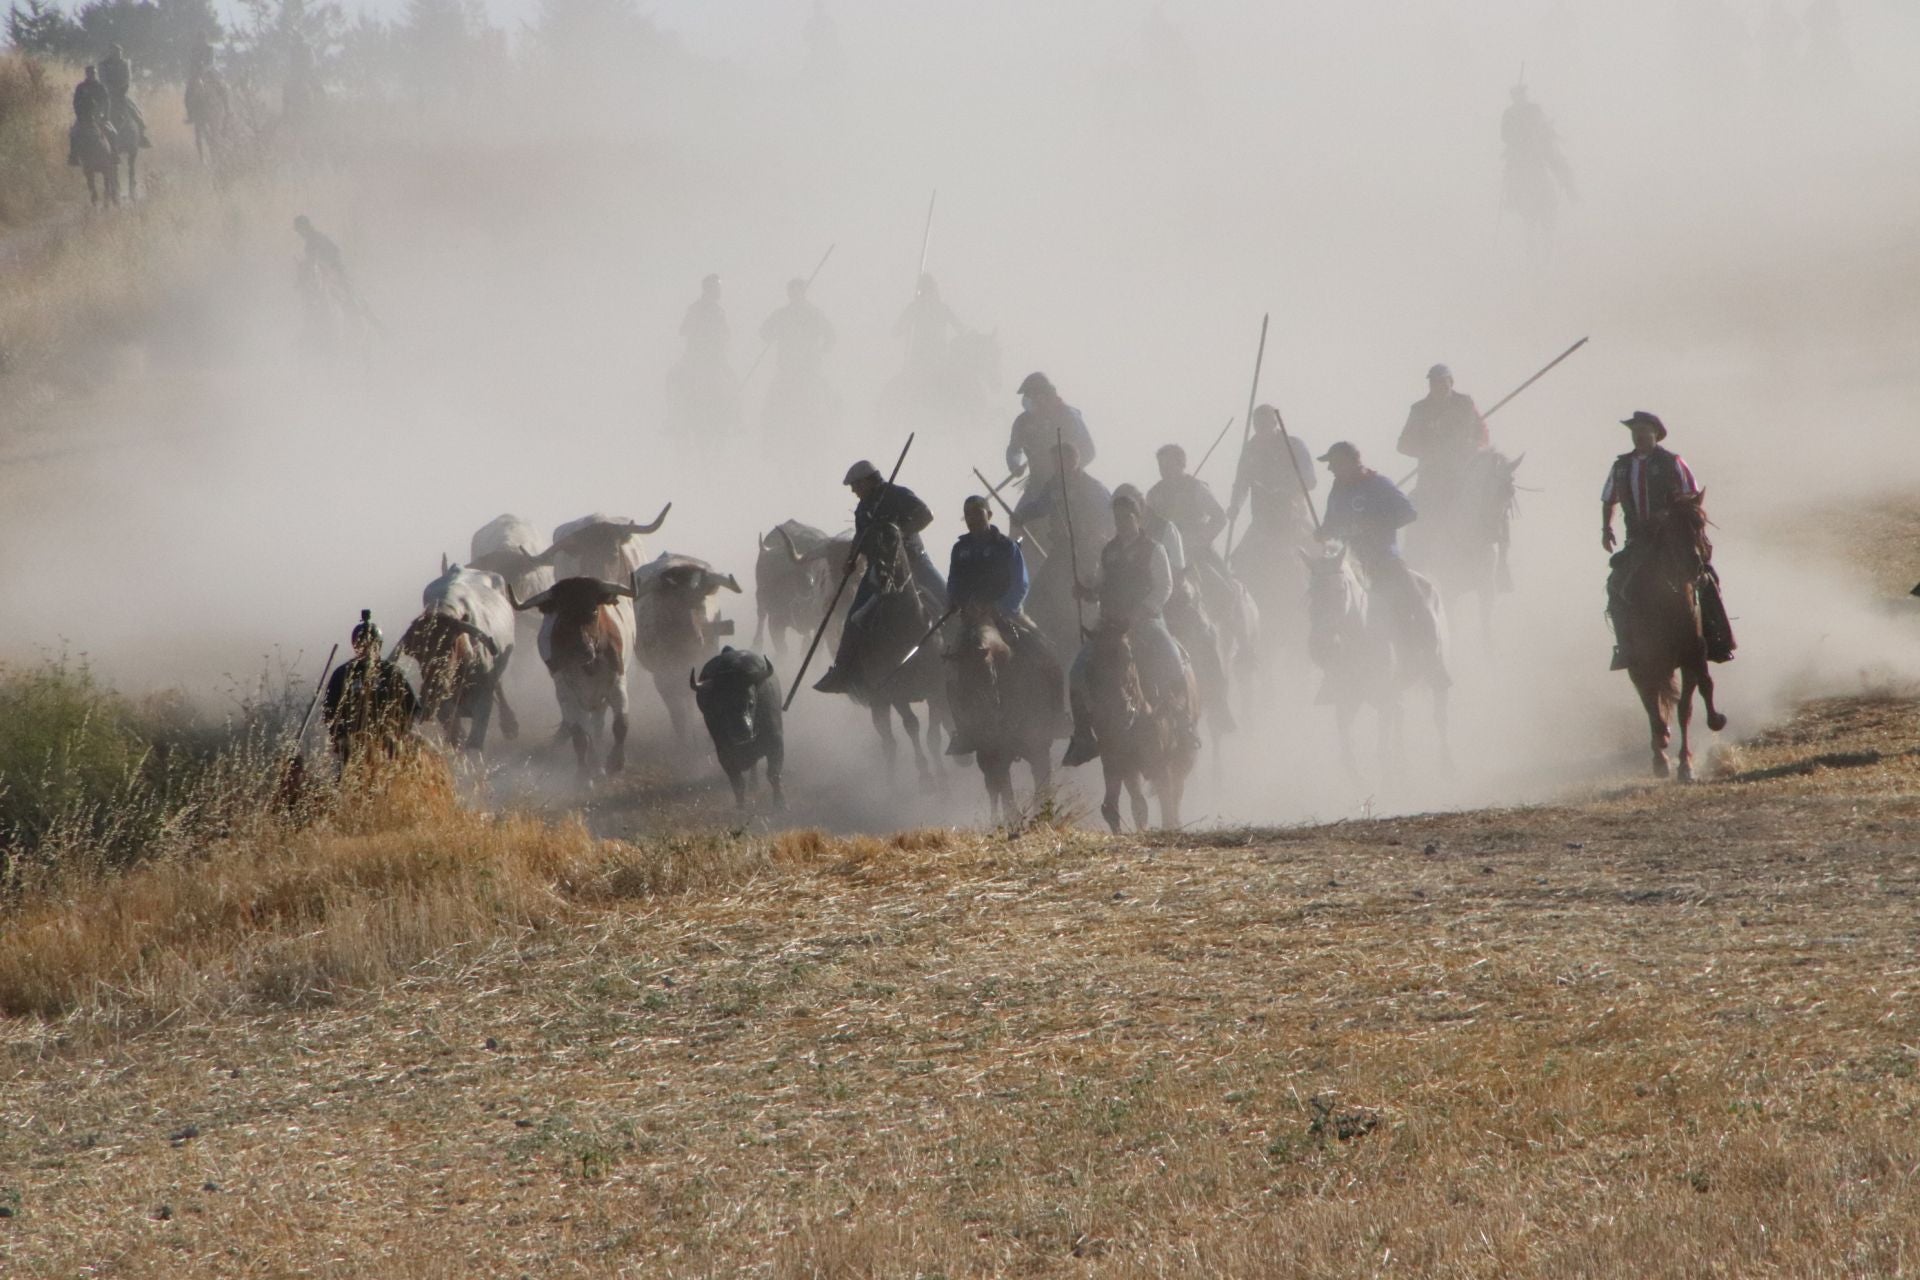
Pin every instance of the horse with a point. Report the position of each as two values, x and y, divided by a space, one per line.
890 664
1465 531
126 140
93 149
1661 629
1007 703
1260 565
1141 745
1373 644
1234 613
210 113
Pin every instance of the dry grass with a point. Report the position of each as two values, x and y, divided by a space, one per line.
1664 1031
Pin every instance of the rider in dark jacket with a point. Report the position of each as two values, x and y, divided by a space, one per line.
116 73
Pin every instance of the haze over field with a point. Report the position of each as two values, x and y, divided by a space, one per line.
1120 210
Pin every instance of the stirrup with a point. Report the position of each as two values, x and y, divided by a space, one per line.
1620 662
1080 748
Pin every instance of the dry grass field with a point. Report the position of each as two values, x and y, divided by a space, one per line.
1654 1031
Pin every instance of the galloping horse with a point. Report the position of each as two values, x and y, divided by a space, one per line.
126 141
882 634
1466 529
1008 703
1371 645
1661 631
1140 744
210 112
93 146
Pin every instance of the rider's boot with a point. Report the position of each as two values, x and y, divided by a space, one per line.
1621 661
837 680
1082 746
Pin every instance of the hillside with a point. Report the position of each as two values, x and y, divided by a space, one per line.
1655 1031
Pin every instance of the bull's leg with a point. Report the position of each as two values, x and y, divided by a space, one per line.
1442 727
739 781
776 760
996 770
1171 787
1343 716
577 733
93 192
133 181
509 723
1040 761
1110 804
617 754
482 717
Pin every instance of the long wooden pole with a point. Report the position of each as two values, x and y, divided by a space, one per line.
993 491
846 577
1507 398
1246 427
1215 445
1066 508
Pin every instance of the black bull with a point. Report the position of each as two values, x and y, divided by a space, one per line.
739 697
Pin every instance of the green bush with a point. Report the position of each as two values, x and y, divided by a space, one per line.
86 773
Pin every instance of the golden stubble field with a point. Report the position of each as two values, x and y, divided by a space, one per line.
1654 1031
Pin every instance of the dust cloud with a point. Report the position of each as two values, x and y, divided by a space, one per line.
1123 192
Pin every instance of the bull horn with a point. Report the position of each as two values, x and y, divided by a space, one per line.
537 602
443 564
1515 464
693 680
657 522
793 552
731 583
619 590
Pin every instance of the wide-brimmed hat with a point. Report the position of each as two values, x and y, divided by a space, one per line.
1641 418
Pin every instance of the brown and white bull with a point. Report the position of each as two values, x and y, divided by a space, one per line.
462 641
676 627
586 639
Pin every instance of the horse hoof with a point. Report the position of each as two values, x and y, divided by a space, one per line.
1716 722
1659 766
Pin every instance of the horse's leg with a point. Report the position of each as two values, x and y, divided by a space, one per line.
911 721
1441 726
133 180
1715 721
1656 694
1110 803
1689 680
1137 798
882 716
1172 788
1343 715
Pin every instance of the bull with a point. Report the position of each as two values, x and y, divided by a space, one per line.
793 581
586 638
510 547
462 642
739 698
597 546
675 625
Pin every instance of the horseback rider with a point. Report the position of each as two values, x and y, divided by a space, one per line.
1644 482
1271 474
1088 502
705 326
368 700
899 506
116 73
1045 420
1366 511
90 104
1132 588
1189 503
1185 617
927 323
323 258
801 332
988 571
1444 434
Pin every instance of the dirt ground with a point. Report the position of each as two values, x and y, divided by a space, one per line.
1652 1030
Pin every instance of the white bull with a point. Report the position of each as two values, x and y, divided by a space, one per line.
462 642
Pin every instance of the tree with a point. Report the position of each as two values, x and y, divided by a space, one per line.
41 30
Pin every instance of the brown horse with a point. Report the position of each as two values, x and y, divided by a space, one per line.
1661 631
93 150
1140 744
1007 702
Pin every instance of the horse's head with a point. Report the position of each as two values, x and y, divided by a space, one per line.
886 553
1336 605
1680 537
